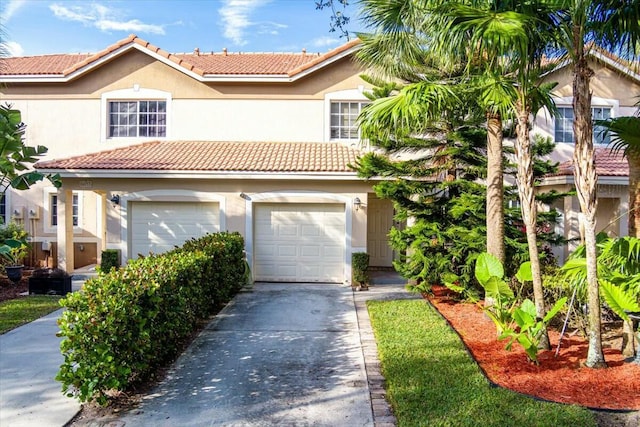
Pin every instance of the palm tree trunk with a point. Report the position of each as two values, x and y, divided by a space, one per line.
633 158
495 188
586 181
529 212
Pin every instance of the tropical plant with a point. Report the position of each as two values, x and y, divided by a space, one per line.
515 36
14 247
403 45
515 322
619 275
583 26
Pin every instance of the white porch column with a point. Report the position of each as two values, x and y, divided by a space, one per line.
65 230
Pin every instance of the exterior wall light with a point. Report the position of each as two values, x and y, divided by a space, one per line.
115 199
357 203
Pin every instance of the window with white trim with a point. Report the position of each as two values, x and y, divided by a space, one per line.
3 209
53 210
135 113
135 119
343 120
564 124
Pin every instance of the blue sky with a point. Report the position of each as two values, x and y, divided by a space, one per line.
35 27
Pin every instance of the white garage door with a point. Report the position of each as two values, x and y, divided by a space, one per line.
160 226
297 242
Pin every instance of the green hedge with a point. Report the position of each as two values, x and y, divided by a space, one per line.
110 259
359 268
128 322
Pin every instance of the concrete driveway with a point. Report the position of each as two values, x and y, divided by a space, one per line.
283 355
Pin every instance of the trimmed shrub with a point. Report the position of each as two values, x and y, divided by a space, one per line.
110 259
128 322
359 267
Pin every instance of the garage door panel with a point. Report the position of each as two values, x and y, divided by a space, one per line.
299 242
286 251
160 226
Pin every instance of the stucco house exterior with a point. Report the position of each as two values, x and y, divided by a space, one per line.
156 147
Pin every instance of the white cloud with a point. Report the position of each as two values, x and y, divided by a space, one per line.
10 8
325 41
103 18
236 20
14 48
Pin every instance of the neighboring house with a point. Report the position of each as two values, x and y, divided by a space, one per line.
154 148
615 89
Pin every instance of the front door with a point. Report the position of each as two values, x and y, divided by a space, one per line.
379 222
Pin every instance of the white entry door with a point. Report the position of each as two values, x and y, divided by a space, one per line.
299 242
160 226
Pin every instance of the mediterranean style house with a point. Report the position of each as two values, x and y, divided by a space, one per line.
155 147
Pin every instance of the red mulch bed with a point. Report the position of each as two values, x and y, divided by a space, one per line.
562 379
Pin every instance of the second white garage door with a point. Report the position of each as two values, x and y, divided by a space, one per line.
160 226
296 242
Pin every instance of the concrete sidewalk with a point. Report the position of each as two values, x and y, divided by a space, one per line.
29 360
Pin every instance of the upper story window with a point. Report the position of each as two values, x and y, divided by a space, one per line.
137 119
136 113
344 117
564 124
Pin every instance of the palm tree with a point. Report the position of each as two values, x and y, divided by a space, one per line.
515 37
405 45
614 25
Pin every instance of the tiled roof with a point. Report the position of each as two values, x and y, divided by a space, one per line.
608 163
201 63
214 156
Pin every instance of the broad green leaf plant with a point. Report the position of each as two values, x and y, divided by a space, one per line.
515 322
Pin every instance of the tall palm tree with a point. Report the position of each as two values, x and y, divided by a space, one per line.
614 25
514 35
406 37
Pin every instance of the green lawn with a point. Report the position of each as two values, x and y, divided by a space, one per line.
16 312
433 381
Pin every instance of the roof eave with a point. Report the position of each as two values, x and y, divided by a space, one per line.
197 75
178 174
569 180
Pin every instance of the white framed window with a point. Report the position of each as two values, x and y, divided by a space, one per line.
134 119
136 113
51 213
564 124
344 117
342 109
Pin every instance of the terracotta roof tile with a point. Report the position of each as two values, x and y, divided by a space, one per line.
212 63
216 156
41 65
608 163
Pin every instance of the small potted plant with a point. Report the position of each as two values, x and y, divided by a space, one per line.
12 252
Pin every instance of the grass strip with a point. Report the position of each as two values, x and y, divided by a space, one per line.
19 311
431 380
